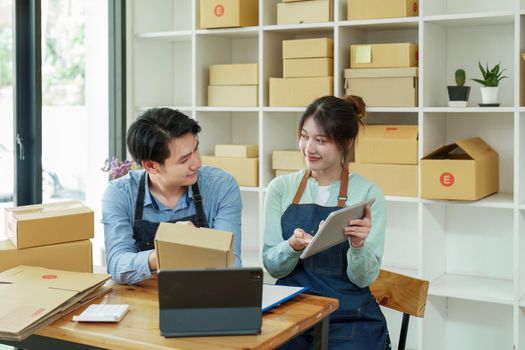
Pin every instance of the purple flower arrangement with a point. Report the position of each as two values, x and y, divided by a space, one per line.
117 168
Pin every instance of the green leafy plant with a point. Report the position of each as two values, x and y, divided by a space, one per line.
491 76
460 76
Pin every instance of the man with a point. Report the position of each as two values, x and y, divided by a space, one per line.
172 187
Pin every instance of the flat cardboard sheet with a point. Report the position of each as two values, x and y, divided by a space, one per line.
57 291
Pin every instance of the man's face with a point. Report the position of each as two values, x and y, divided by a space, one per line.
180 168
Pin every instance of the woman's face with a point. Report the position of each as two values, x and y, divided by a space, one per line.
319 152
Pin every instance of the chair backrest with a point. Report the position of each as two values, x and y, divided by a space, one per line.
402 293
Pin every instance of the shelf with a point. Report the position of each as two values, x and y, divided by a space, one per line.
249 189
305 28
284 109
401 199
392 109
472 19
468 109
180 108
522 206
383 24
412 272
184 35
497 200
226 109
238 33
490 290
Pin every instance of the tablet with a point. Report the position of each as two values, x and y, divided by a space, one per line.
331 232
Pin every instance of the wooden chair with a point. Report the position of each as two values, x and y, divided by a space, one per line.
402 293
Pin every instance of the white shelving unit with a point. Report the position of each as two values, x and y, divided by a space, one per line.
473 253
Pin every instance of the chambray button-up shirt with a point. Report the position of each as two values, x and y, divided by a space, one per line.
222 206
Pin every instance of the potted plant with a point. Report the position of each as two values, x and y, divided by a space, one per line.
458 95
489 90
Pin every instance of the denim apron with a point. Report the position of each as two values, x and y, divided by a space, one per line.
144 230
358 323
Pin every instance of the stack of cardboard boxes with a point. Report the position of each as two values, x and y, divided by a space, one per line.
384 75
241 161
308 70
287 161
388 156
233 85
229 13
304 11
54 235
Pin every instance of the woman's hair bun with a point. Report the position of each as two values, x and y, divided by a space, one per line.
359 105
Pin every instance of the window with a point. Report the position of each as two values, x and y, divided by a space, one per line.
6 108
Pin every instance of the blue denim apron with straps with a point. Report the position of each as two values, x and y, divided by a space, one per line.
358 323
144 230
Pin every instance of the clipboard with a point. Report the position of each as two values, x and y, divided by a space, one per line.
331 232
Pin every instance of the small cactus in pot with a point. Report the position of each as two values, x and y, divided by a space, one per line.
458 95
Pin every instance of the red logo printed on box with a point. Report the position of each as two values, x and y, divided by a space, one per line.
446 179
49 277
218 10
414 6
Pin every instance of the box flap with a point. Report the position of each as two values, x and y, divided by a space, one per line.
385 132
476 148
182 233
34 276
381 72
441 152
39 211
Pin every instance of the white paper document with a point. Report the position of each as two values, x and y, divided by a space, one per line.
274 295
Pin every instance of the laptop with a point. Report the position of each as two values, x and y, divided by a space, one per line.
201 302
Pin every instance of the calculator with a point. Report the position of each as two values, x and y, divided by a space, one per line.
102 313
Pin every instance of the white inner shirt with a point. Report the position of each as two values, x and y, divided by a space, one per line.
323 193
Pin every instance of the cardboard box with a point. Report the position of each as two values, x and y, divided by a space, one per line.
308 67
43 224
233 95
369 9
313 11
299 92
238 151
308 48
387 144
393 179
287 160
234 74
464 170
280 172
244 170
183 246
384 87
229 13
71 256
384 55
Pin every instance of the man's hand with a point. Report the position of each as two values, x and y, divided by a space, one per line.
152 260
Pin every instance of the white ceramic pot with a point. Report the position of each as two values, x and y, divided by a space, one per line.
489 94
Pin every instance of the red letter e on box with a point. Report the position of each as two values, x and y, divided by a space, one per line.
446 179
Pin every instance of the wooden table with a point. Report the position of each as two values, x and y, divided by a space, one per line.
139 329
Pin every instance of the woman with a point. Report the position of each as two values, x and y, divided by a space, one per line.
296 204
